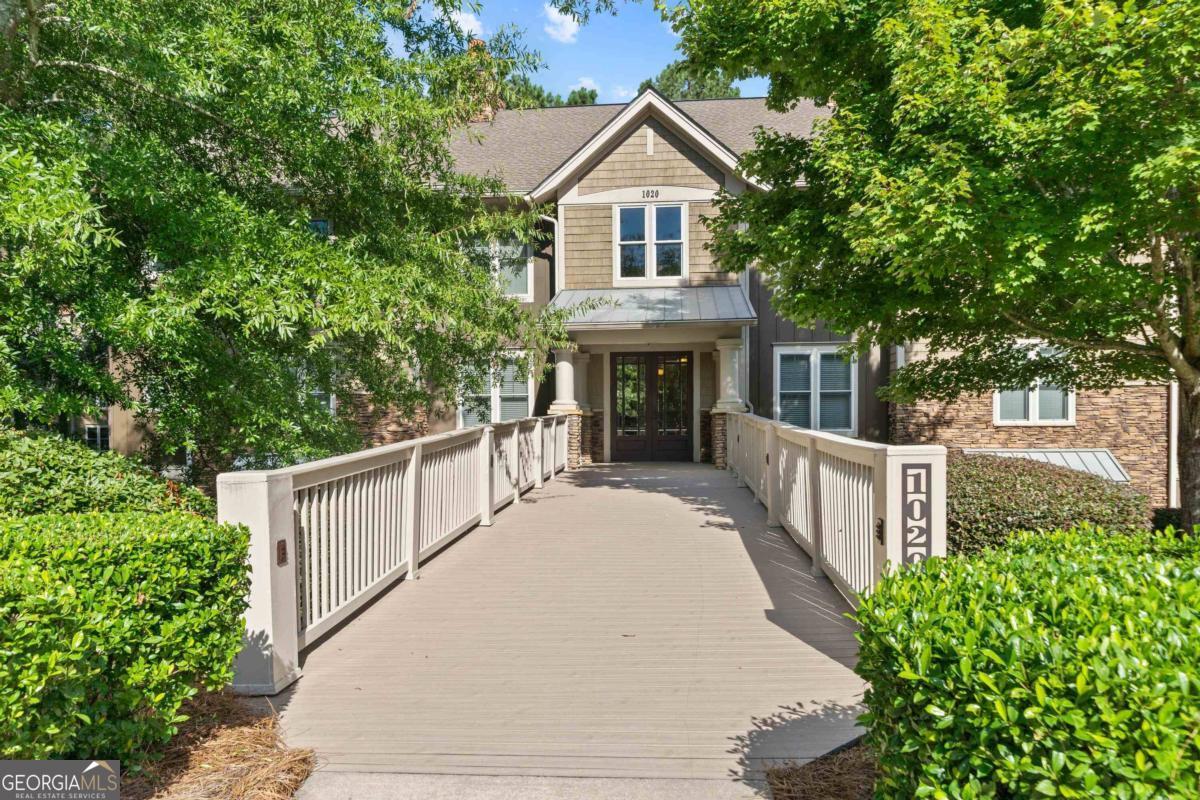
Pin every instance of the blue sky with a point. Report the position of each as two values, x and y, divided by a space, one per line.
611 54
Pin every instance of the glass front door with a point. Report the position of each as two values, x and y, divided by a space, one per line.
652 406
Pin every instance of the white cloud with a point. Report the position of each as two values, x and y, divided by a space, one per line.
468 23
621 93
559 26
586 83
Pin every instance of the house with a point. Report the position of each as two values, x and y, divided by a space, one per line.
672 339
665 340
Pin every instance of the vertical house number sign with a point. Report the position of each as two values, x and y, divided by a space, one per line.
914 482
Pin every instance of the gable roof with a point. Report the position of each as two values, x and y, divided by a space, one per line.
524 147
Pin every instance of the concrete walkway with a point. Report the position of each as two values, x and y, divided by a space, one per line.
635 628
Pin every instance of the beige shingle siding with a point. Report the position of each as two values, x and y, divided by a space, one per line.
588 247
673 163
588 243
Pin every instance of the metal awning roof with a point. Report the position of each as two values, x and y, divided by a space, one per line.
632 308
1096 461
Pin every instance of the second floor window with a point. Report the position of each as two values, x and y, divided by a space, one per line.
650 242
513 263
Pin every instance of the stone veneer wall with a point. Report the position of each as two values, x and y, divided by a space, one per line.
574 439
385 425
718 440
597 436
1131 421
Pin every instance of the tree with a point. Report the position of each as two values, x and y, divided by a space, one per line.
582 96
680 80
160 166
521 92
993 173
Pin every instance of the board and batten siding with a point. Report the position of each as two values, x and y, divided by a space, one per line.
773 329
588 229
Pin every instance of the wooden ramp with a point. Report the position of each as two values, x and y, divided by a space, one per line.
624 621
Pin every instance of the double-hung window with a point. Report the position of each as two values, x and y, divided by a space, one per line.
513 264
815 387
509 397
650 243
1040 404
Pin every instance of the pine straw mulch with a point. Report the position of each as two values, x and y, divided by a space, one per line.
845 775
229 749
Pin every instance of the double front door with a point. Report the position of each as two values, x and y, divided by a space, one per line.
652 406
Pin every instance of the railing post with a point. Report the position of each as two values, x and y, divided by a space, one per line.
772 470
735 447
814 507
514 458
412 512
270 656
485 475
911 524
539 453
553 446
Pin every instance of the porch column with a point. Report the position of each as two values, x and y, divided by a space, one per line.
580 366
564 384
729 353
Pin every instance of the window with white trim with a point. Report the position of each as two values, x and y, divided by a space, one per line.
513 264
510 397
816 387
96 437
650 242
1040 404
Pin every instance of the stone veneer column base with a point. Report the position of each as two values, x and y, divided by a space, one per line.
718 439
586 455
574 438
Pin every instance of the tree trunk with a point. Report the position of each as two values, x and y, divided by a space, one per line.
1189 455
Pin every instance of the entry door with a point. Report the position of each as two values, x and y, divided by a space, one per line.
652 406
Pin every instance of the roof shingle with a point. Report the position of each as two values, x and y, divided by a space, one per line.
522 147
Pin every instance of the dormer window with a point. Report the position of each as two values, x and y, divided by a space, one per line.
650 244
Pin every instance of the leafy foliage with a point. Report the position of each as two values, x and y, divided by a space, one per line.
161 163
680 80
989 497
1061 666
521 92
111 621
993 172
46 474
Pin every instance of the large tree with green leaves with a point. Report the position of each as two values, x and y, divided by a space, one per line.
160 163
680 80
991 173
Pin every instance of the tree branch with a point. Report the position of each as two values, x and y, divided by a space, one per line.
100 69
1122 345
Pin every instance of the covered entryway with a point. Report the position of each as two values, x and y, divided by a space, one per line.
652 406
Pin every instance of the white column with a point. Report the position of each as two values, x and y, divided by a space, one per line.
580 365
564 383
729 354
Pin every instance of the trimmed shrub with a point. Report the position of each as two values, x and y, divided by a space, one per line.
109 622
989 497
47 474
1064 665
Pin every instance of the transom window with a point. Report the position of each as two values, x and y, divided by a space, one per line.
510 397
815 387
1040 404
650 242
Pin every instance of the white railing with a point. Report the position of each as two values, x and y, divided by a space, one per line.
854 506
329 536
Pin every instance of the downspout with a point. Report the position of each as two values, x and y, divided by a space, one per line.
1173 445
554 249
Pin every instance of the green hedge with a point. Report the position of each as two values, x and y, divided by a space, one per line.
1064 665
109 622
43 473
989 497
